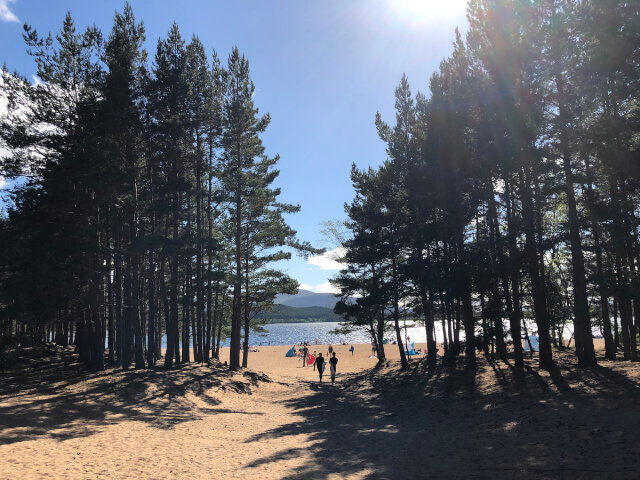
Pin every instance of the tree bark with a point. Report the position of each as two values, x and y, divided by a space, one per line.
537 287
609 346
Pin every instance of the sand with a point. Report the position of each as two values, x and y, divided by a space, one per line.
275 420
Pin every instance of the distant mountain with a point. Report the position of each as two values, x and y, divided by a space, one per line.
305 298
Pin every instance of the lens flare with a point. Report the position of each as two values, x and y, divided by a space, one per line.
424 10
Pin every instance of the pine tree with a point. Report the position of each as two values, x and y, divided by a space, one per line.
124 89
246 178
172 144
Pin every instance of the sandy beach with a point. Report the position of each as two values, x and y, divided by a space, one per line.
275 420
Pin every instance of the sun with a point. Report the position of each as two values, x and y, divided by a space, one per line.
421 10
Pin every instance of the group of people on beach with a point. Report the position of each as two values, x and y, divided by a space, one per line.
319 360
320 363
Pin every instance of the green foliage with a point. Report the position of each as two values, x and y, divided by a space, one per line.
481 205
135 177
286 314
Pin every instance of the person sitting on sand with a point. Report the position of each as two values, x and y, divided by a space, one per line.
333 362
320 363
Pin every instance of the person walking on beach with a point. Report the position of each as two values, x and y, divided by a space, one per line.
320 363
330 350
333 362
351 350
305 352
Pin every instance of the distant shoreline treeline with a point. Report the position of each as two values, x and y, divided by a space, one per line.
286 314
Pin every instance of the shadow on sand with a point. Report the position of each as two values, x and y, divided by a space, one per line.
382 423
44 393
452 423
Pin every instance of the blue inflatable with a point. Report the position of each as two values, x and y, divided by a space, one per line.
534 344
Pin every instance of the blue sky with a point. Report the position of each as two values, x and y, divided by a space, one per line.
321 69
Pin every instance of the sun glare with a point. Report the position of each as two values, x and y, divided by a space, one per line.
424 10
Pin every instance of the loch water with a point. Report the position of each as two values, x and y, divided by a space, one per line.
296 333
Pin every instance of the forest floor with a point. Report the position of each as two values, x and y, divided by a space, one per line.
59 422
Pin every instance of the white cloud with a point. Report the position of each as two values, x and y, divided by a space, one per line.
325 287
3 182
327 261
5 12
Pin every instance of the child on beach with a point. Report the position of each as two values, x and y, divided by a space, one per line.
333 362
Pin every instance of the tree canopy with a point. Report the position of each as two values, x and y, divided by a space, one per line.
145 204
509 203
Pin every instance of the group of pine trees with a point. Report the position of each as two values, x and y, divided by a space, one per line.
511 196
145 203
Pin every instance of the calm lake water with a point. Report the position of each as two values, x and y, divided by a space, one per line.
290 333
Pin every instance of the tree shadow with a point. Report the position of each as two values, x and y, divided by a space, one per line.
51 396
452 423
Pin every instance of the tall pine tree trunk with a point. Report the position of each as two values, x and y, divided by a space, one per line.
118 293
609 346
513 270
537 286
582 321
503 277
396 311
622 291
236 312
186 357
202 350
135 308
247 311
111 330
629 239
152 355
467 308
427 308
